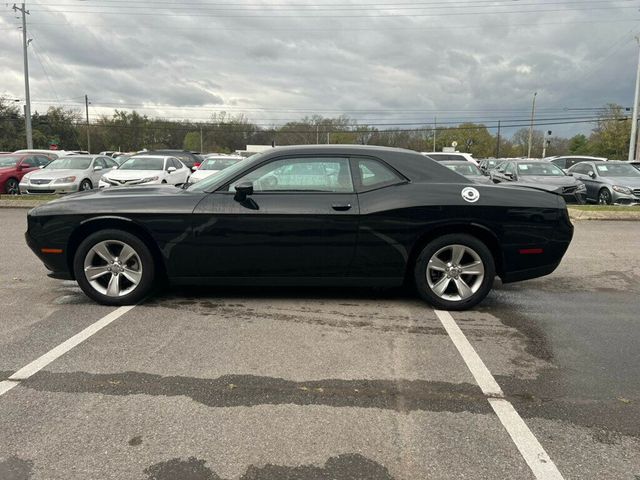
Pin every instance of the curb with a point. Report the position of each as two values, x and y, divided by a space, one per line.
579 215
20 203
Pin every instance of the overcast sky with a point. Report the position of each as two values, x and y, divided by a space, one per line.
403 61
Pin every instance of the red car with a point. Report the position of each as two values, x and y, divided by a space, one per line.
14 166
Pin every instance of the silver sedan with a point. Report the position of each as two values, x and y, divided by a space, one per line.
67 175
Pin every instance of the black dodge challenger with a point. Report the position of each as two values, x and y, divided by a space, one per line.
308 215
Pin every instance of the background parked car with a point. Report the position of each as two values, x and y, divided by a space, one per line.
469 170
51 154
14 166
442 156
543 175
487 165
213 164
70 174
189 159
609 182
147 170
565 163
635 164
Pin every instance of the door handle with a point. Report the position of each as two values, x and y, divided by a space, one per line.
341 208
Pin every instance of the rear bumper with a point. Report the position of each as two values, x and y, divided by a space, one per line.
529 273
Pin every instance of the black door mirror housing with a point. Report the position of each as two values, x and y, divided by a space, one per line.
243 190
591 174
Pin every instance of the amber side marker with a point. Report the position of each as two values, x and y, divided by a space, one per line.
51 250
531 251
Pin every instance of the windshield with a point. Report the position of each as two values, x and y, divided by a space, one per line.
617 170
540 169
466 168
143 163
70 163
8 161
223 175
217 163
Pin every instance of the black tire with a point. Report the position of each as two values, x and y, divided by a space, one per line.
12 187
472 246
146 267
85 185
604 197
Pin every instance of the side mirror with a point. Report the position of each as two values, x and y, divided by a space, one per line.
171 169
19 168
591 174
508 175
569 174
243 190
97 168
194 168
41 166
114 168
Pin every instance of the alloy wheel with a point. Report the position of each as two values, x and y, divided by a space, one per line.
85 185
604 197
113 268
12 187
455 272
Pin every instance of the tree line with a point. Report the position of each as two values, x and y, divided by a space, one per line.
130 131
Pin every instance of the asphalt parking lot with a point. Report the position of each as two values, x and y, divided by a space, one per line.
261 384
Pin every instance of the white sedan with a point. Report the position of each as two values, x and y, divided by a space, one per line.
213 164
147 170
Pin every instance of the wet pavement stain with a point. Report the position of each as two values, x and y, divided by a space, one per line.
15 468
135 441
177 469
250 390
342 467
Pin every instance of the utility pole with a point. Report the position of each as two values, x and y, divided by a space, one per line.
328 138
435 129
533 114
498 144
546 142
27 96
634 120
86 106
201 141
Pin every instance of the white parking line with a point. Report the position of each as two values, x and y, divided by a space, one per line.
41 362
533 453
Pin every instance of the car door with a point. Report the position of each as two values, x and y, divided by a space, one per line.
96 175
27 165
301 221
581 171
183 172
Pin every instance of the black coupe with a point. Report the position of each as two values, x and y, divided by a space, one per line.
315 215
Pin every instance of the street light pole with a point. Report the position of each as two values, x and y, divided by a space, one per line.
634 120
533 114
86 106
27 108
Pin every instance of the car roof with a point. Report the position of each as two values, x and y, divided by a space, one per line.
138 155
456 162
411 164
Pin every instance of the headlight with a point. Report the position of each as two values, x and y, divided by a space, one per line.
623 190
66 180
581 187
148 179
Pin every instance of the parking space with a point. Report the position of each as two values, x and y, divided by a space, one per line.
323 383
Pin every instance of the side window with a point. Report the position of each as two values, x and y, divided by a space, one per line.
306 174
374 174
110 163
99 162
30 162
511 168
560 163
42 160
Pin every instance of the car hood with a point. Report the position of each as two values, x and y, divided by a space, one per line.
549 183
53 174
120 201
132 174
203 173
623 181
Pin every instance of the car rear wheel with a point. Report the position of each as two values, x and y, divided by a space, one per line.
85 185
114 267
12 187
604 197
454 272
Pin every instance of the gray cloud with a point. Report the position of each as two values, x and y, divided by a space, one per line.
469 67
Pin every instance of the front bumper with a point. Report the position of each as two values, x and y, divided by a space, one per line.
133 183
59 188
624 199
56 263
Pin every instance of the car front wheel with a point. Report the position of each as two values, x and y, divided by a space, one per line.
454 272
604 197
114 267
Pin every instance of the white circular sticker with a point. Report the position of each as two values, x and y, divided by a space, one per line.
470 194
